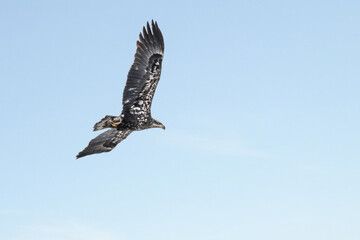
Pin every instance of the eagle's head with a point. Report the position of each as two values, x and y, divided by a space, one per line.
156 124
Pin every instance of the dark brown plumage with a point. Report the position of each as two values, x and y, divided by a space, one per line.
139 91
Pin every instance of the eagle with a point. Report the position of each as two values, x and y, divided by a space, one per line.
142 80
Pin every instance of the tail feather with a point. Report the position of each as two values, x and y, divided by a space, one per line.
107 122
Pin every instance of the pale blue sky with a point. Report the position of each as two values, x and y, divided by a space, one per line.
261 105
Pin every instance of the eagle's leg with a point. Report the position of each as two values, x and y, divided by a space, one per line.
107 122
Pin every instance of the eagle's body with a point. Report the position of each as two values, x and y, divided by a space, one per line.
141 84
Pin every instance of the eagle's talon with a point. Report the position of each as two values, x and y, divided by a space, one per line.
115 124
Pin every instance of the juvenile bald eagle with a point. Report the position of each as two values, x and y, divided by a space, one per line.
140 87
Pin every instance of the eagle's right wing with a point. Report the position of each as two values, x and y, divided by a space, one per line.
105 142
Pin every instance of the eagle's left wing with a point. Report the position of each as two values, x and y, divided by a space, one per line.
105 142
144 74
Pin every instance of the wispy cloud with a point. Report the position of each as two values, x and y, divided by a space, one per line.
10 212
214 145
68 231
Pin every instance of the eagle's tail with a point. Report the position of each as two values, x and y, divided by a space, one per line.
107 122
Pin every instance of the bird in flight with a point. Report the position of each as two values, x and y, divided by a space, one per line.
139 90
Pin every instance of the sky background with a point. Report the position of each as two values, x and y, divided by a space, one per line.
261 105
